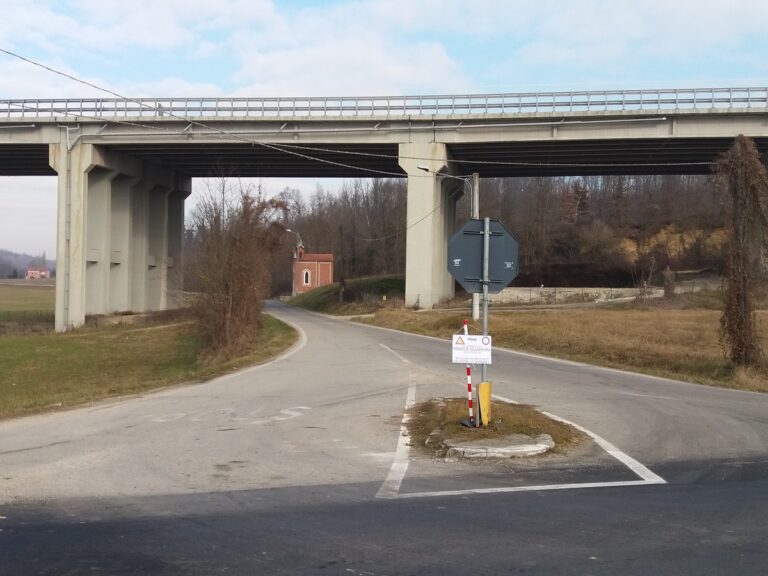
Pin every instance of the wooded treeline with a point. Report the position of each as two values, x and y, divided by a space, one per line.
579 231
13 265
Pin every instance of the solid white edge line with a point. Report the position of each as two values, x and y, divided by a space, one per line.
391 485
543 487
293 349
402 358
297 347
641 470
553 359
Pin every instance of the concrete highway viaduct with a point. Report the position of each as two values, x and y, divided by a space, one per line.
125 166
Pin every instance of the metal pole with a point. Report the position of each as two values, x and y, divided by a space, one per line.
486 245
475 216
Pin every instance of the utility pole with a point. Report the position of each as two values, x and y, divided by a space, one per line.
475 205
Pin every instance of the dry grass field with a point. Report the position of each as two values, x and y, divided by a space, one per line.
26 296
675 343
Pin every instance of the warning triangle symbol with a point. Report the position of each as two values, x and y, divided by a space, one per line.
460 341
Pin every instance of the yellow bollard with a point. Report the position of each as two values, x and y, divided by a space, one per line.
484 394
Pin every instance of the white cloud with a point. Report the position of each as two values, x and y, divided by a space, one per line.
21 80
360 47
595 33
344 67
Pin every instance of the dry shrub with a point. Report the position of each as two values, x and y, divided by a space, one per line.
742 172
235 232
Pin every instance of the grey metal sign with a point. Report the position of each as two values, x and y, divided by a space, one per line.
465 256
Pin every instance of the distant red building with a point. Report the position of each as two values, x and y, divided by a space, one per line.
37 273
310 270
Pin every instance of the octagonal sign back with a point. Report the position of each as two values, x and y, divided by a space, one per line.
465 256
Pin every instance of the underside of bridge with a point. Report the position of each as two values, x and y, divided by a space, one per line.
489 159
121 201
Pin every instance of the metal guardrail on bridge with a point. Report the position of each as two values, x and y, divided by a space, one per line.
393 106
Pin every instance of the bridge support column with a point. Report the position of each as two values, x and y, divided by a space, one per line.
431 215
175 290
120 227
120 244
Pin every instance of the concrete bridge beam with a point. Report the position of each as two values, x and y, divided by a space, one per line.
118 219
431 216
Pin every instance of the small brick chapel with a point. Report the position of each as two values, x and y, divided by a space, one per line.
310 270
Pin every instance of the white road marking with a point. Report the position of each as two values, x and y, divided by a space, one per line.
170 417
647 476
549 359
288 353
641 470
640 395
542 487
229 415
293 349
288 413
391 485
402 358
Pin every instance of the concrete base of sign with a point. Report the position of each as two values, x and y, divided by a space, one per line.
514 446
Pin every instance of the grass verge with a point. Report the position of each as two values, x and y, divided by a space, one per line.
47 371
361 296
439 420
680 344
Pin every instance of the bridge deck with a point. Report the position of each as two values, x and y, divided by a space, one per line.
665 131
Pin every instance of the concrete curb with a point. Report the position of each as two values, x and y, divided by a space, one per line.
541 444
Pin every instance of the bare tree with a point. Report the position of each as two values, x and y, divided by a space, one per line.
235 231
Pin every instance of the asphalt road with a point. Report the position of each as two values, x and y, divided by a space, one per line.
300 467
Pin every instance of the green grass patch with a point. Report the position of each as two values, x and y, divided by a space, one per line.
439 420
44 371
361 296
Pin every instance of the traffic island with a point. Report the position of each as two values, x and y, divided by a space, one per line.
515 430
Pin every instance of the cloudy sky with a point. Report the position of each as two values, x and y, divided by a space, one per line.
363 47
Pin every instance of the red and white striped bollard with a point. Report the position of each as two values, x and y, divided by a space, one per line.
469 386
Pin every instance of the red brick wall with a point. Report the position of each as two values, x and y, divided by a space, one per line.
320 273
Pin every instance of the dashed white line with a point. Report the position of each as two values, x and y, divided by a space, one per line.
402 358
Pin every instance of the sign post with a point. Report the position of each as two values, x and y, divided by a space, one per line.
482 257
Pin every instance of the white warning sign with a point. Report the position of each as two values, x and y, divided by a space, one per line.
471 349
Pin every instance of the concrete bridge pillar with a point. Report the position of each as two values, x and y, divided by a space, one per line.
431 215
120 226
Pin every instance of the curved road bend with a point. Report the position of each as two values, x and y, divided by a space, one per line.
276 470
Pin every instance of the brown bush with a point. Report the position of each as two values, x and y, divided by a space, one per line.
234 234
745 177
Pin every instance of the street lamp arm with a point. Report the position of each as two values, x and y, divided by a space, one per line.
423 168
298 236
